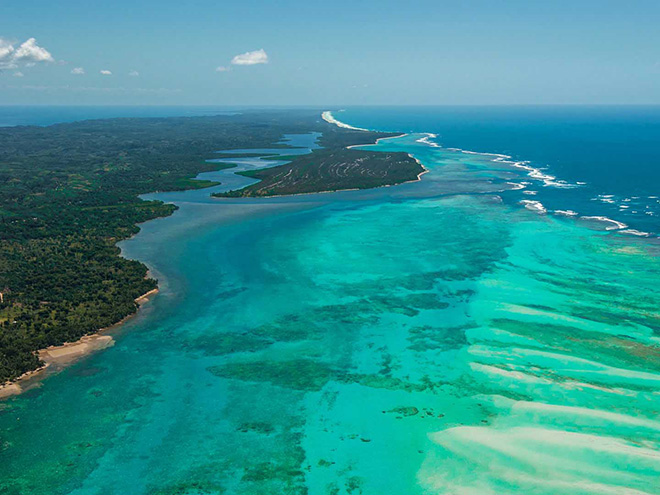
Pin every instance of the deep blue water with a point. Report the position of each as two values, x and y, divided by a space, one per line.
613 150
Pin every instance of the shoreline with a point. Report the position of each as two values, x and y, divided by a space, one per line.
56 358
378 140
419 176
330 119
609 225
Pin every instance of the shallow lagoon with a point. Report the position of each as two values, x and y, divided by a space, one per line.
424 338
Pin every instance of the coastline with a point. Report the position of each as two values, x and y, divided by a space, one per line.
56 358
378 140
594 222
327 116
419 176
330 119
443 361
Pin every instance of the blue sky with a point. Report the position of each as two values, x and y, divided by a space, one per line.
329 53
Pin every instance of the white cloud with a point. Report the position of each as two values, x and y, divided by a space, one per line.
223 68
78 71
251 58
105 72
18 74
133 73
6 49
27 54
29 51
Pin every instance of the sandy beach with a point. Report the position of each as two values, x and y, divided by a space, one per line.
329 118
55 358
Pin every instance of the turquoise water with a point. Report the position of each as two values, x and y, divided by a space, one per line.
429 338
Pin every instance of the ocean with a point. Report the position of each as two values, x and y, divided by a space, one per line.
449 336
597 160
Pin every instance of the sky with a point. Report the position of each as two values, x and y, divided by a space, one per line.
319 53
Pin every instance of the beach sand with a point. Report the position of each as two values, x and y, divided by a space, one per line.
55 358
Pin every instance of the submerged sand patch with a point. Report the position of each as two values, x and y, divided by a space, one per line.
55 358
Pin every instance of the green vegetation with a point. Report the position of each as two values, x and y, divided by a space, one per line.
70 192
332 168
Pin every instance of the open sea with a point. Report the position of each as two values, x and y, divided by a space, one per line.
493 329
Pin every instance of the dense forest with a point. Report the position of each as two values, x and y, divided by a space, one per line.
69 193
330 170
